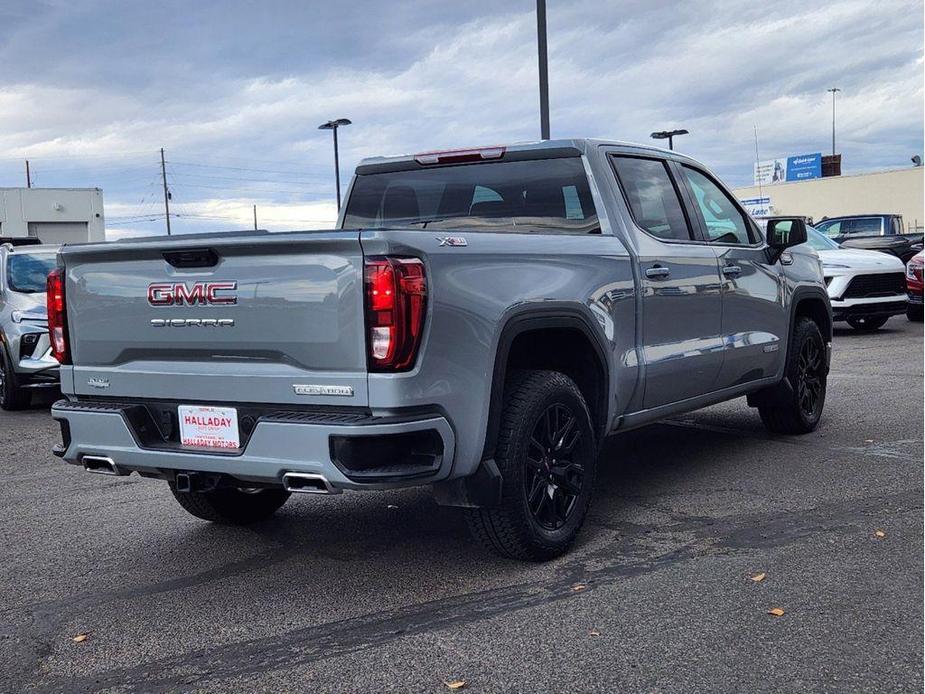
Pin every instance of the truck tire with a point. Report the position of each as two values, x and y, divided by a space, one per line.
12 397
914 313
807 372
867 324
231 506
547 457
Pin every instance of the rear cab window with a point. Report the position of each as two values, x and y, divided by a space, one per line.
550 196
652 197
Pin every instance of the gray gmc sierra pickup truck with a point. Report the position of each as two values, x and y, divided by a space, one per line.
478 322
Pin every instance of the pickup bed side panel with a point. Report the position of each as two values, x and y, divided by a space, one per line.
474 288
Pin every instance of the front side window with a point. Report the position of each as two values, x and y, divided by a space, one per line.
27 273
544 196
652 197
830 229
722 220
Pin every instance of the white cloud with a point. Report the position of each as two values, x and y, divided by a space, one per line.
716 68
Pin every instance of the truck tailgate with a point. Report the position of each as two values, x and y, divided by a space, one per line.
255 317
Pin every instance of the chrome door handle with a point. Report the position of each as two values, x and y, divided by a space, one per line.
732 270
658 272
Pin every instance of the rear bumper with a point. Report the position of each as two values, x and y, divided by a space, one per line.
346 451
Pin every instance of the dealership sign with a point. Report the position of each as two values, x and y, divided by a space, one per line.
801 167
757 207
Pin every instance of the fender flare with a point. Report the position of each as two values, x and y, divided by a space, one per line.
810 292
527 317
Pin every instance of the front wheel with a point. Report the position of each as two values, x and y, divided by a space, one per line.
547 457
867 324
914 312
231 506
806 370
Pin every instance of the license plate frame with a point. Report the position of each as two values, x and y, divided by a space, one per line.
209 427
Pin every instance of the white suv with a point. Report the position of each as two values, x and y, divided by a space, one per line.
865 287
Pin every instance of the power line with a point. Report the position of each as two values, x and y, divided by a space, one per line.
242 168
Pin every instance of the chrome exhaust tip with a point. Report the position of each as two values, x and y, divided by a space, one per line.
307 483
100 464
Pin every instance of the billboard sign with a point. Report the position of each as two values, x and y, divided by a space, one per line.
801 167
758 207
804 167
770 171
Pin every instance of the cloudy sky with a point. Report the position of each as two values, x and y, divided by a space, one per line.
234 91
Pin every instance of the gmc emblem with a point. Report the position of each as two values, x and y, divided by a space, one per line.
200 294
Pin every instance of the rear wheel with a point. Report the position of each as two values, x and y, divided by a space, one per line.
914 313
231 506
547 458
806 371
867 324
12 397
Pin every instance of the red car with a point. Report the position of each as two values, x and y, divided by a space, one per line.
914 287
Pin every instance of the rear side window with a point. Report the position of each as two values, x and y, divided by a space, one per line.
723 221
652 197
543 196
865 226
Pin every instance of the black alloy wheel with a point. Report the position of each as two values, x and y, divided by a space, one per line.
811 372
553 479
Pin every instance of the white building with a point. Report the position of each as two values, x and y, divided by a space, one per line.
54 215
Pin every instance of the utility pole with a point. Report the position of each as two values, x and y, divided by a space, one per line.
28 177
255 218
166 194
544 68
834 91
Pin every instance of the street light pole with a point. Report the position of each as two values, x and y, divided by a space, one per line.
834 91
544 68
333 125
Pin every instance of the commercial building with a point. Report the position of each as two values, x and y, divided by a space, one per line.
896 191
54 215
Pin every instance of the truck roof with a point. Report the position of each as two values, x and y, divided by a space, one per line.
583 145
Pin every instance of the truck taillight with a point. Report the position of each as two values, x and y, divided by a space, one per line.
57 316
396 300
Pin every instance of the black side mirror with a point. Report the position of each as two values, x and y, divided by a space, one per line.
784 233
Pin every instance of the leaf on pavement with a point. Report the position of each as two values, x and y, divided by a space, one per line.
593 632
776 612
578 587
868 440
757 578
455 684
82 636
879 533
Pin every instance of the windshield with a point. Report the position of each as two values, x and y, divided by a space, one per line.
27 272
818 241
548 195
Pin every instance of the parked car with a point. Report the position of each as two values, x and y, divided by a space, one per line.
26 362
865 287
875 232
478 322
914 287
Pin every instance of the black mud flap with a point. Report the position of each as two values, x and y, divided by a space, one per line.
777 395
480 490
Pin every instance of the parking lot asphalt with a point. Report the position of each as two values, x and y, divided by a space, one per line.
386 592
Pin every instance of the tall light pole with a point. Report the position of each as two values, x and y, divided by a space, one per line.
668 135
333 125
544 68
834 91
